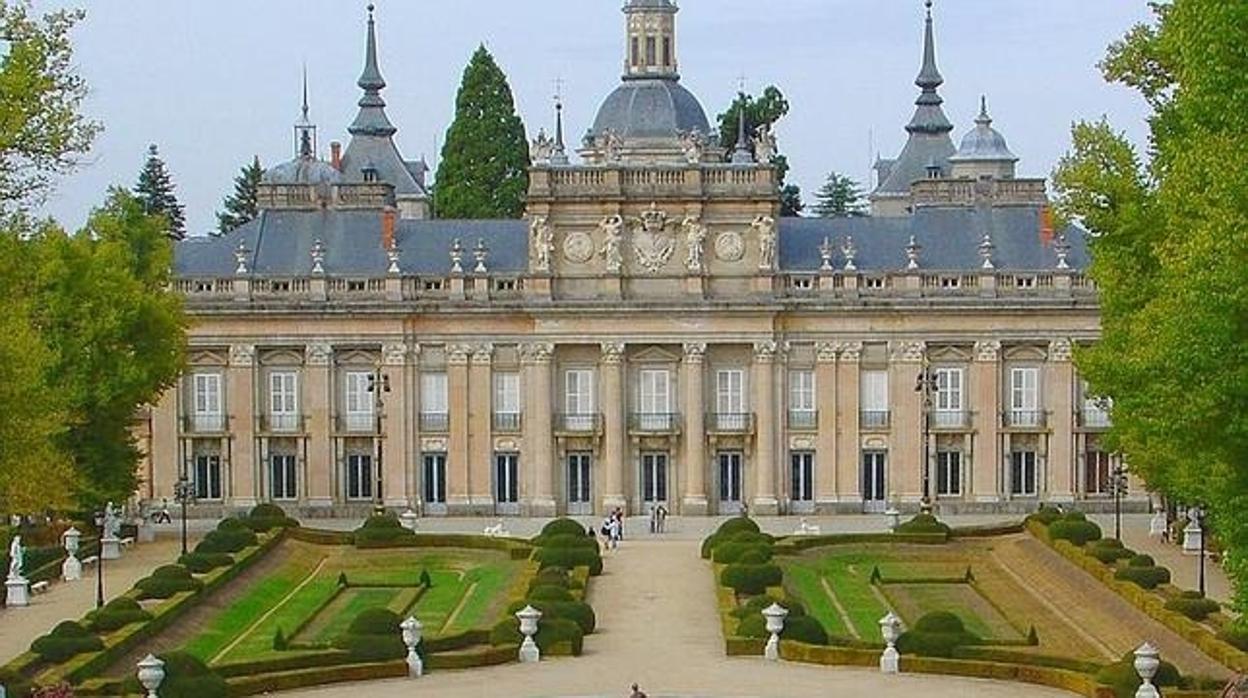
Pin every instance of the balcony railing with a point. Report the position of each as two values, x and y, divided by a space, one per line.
874 419
579 423
950 419
281 423
1024 419
730 422
357 423
654 422
205 423
1092 418
803 419
435 422
507 422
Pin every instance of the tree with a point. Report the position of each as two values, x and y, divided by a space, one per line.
241 207
1170 245
766 110
155 191
42 133
485 161
840 197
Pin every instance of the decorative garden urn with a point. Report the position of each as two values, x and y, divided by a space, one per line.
1147 661
775 615
73 540
894 518
890 628
151 674
528 617
71 569
409 519
411 638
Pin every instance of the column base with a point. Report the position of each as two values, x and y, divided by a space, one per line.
764 506
694 505
110 549
18 592
543 508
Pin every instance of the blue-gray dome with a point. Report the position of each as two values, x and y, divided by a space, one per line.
302 170
650 109
984 143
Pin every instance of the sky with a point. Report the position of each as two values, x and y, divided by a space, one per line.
214 82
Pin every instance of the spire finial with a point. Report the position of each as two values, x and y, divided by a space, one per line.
983 118
741 155
372 119
560 155
929 77
305 92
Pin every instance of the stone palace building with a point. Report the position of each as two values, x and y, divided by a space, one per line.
652 333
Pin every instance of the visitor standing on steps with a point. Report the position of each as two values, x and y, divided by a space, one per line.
613 533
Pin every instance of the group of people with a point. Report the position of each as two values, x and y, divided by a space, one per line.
613 530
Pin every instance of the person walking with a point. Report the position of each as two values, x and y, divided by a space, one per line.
613 533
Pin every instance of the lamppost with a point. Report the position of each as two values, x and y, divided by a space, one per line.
378 385
184 494
1198 513
1118 487
928 385
100 518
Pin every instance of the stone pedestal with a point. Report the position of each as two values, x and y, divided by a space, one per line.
1157 526
71 569
110 548
18 592
147 533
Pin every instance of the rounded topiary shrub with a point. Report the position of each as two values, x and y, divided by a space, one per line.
1079 533
568 558
551 576
1074 516
167 581
1144 577
1046 515
755 556
1122 677
751 579
232 524
266 517
923 523
731 551
804 629
231 536
202 563
1197 608
566 527
549 592
578 612
737 524
936 635
566 540
549 633
66 640
373 636
117 614
1109 550
381 530
1142 561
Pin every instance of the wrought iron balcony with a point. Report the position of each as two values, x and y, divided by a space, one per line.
1094 418
654 423
205 423
507 422
874 419
435 422
358 423
587 423
803 420
730 423
282 424
953 420
1025 419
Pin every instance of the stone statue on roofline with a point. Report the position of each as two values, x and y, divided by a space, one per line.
541 148
765 147
695 240
543 243
765 227
693 143
612 228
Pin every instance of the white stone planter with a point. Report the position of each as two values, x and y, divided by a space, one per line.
411 638
775 615
110 548
529 616
890 628
1147 661
151 674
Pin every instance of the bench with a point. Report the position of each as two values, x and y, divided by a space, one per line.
90 560
39 587
127 542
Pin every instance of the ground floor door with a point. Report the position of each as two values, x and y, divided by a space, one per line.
207 477
874 483
653 480
731 467
282 480
507 484
803 483
580 488
1023 480
359 480
434 472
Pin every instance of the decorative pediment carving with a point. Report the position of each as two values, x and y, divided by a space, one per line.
653 245
654 355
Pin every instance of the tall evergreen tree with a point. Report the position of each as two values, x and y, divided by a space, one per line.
765 110
241 207
840 197
155 192
484 168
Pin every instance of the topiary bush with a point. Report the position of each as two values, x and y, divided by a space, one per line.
578 612
1193 605
923 523
549 633
203 563
549 592
1236 636
117 614
738 524
568 558
565 527
231 536
756 605
936 634
167 581
731 551
804 629
381 530
1078 532
1142 561
1046 515
188 677
1109 550
266 517
1122 677
1144 577
751 579
755 556
566 540
66 640
373 636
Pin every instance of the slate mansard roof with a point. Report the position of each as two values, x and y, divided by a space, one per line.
279 243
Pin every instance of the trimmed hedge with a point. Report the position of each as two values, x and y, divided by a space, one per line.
578 612
803 629
1194 606
751 579
729 552
381 530
565 527
1076 531
549 592
1109 551
167 581
566 540
936 635
265 517
550 632
68 639
756 605
373 636
117 614
738 524
231 536
924 523
1144 577
1046 515
1142 561
568 558
1122 677
185 677
203 563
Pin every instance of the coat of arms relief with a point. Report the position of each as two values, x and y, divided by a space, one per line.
653 244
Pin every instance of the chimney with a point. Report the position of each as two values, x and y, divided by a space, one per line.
335 155
388 216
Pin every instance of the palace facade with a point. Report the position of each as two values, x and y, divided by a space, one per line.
652 333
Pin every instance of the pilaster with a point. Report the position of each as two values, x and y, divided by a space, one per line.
765 501
906 457
826 391
318 400
396 492
849 442
241 393
538 390
611 368
480 429
692 379
458 496
1059 391
985 469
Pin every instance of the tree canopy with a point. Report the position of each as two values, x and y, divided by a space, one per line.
156 193
42 132
840 197
765 110
485 160
1170 254
241 207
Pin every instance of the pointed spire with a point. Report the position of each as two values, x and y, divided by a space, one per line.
560 155
929 77
983 119
929 118
372 119
305 130
741 155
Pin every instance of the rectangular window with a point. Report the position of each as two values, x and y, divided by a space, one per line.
730 398
1098 472
949 473
667 51
650 51
579 399
359 401
206 401
434 402
359 476
284 401
506 401
654 478
1023 474
874 396
636 53
435 478
655 399
803 463
1025 397
208 477
801 399
282 477
507 478
949 405
1095 409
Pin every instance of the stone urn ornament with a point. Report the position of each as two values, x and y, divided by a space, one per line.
1147 662
411 639
890 629
775 615
528 616
71 569
151 674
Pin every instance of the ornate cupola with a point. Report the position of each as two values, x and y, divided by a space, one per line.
983 152
651 41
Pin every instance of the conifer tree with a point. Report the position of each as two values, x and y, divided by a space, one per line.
840 197
241 207
155 191
484 168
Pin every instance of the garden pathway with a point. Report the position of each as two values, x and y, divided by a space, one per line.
658 626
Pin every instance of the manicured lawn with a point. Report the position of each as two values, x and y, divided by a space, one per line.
977 614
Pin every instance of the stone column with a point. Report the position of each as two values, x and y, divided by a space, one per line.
458 465
849 442
166 462
318 401
985 469
241 397
539 458
480 429
906 457
394 445
692 379
1058 399
611 368
826 464
765 502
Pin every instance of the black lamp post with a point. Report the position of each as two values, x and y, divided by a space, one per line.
1199 514
378 385
184 494
100 518
928 385
1118 487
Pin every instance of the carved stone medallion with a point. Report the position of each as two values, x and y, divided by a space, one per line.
653 245
578 248
730 247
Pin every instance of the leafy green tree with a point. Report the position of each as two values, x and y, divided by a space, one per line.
155 191
766 110
1170 249
840 197
42 133
116 331
485 161
241 207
